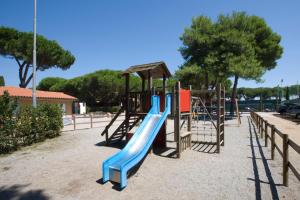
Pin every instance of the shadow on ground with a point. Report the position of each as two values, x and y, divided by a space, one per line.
118 145
165 152
15 192
204 147
262 158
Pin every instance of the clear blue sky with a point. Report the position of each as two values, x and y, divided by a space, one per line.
115 34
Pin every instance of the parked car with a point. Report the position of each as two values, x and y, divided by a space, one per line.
294 111
284 107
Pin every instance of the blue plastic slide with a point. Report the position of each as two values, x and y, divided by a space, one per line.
116 167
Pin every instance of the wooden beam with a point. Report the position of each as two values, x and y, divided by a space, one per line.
164 84
149 81
143 96
127 78
218 117
164 98
177 119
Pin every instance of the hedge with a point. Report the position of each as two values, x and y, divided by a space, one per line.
25 125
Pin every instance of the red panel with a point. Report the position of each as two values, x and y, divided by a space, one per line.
185 100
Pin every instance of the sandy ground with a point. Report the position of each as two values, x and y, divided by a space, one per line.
285 124
69 167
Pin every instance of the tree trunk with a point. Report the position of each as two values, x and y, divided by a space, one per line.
24 81
233 94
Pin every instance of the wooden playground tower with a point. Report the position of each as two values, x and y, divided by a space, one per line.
137 104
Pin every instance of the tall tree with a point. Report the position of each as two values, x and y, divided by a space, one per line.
2 82
236 45
287 93
18 46
46 83
258 49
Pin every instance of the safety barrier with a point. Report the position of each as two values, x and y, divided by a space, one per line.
263 126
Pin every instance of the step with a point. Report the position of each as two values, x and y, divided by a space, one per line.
116 136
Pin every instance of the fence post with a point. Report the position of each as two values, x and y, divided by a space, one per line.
91 116
259 124
74 121
262 128
106 136
266 133
272 141
285 152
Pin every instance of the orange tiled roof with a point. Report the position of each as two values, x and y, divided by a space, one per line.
24 92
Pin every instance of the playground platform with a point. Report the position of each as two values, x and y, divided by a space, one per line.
69 167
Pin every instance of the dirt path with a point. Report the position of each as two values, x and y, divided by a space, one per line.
286 125
69 167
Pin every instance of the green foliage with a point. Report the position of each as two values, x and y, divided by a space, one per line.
195 76
2 82
7 123
236 45
266 93
47 83
27 125
18 46
287 93
103 88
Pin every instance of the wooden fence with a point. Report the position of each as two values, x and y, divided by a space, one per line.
88 119
263 127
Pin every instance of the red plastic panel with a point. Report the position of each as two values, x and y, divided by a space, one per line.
185 100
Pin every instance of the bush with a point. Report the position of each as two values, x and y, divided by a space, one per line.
27 125
7 123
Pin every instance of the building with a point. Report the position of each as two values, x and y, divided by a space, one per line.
24 97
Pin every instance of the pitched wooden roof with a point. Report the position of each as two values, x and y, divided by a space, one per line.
157 70
24 92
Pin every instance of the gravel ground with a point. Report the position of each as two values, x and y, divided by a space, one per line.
69 167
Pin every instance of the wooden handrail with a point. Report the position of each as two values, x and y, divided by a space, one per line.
112 121
262 126
295 146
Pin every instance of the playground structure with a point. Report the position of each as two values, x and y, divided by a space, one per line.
203 120
149 109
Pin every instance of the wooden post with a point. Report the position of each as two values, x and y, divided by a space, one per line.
143 97
218 117
149 87
189 128
106 136
272 141
74 121
262 129
223 113
266 133
285 153
149 81
127 77
258 125
177 119
237 111
164 97
91 116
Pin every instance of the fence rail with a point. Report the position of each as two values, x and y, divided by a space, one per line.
91 120
263 127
